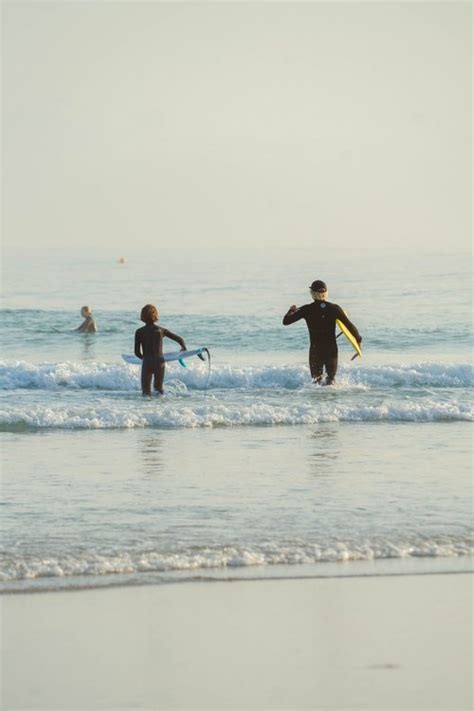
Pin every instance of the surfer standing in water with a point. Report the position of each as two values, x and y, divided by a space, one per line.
320 317
88 325
149 348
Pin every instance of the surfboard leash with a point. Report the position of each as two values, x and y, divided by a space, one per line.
208 369
200 355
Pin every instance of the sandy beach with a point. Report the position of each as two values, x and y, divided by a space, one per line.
402 642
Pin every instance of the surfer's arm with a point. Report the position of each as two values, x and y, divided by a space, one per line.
342 317
137 346
174 337
293 314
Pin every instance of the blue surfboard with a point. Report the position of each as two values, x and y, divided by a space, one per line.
167 357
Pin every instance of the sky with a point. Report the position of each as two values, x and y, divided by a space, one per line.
257 125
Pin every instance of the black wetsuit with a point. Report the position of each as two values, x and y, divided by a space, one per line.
149 348
320 317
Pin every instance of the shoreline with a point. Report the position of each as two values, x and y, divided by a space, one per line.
396 641
247 575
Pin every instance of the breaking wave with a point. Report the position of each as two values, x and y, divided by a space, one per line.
73 395
106 376
201 558
213 413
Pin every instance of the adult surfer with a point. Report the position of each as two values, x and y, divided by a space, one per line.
149 348
320 317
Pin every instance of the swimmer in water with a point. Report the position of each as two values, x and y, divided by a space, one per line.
320 317
88 325
149 348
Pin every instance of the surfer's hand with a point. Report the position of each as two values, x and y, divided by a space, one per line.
292 309
360 340
183 348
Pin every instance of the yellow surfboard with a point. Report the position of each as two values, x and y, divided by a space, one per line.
350 338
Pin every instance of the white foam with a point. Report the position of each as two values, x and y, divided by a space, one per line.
211 412
202 558
51 376
104 376
267 395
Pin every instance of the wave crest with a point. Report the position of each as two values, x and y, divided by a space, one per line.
105 376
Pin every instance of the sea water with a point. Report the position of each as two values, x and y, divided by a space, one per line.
251 471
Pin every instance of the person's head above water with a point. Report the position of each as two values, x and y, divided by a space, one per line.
149 314
86 312
318 290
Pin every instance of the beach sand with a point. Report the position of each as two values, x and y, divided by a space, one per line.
401 642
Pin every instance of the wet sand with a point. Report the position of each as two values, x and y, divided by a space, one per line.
402 642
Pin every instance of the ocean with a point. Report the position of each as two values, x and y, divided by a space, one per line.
254 471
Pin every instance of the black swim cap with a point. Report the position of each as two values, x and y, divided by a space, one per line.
318 286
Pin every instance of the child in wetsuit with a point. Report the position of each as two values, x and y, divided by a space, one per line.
149 348
320 317
88 325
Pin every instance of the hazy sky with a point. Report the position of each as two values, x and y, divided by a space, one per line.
143 124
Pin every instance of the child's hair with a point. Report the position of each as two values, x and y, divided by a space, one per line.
85 310
149 314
